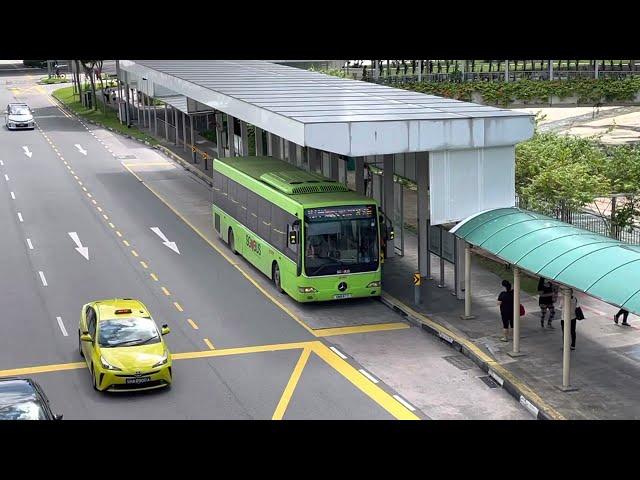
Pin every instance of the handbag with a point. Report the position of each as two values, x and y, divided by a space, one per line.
522 312
579 314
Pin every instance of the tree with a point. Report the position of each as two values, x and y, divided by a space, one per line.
89 66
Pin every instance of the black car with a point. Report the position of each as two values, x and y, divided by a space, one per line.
23 399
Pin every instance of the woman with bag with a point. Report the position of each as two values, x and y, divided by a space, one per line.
505 301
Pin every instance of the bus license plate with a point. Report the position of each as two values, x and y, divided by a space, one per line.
138 380
342 295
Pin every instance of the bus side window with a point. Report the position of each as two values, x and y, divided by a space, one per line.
241 207
264 219
252 211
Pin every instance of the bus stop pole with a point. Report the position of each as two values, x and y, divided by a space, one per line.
467 282
516 310
566 353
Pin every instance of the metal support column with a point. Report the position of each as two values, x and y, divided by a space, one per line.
550 69
467 283
506 70
175 121
422 179
314 159
275 145
566 352
334 167
516 313
259 142
127 105
184 131
293 153
231 136
360 175
166 122
194 157
244 135
155 118
342 171
219 131
596 69
388 196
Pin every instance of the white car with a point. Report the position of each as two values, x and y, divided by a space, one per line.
19 115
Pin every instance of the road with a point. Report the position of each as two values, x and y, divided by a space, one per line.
237 353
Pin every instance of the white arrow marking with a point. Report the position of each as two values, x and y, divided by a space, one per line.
27 152
165 240
80 149
84 251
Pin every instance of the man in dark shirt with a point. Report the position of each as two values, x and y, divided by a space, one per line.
505 300
547 298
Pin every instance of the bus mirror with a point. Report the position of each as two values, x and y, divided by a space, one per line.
391 234
293 237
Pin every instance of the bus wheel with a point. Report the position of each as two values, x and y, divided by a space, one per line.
276 277
232 244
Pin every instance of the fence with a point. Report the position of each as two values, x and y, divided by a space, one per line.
587 220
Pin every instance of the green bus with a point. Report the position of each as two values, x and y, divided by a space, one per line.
316 239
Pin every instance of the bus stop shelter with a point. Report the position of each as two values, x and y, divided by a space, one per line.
571 257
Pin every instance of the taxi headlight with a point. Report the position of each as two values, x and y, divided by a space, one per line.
163 360
375 284
107 365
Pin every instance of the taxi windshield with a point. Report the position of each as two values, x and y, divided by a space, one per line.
127 332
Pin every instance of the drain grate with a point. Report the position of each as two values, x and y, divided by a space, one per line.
460 362
490 382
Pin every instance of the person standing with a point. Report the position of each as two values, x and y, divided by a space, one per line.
625 315
546 299
505 301
573 316
367 179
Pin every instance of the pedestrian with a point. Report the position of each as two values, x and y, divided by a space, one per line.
546 300
625 315
505 301
367 179
573 316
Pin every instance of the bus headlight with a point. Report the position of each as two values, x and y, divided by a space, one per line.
375 284
307 290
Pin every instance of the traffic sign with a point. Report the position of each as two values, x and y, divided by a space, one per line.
417 279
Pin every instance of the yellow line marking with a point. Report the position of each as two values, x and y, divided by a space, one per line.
192 323
166 292
379 327
42 369
291 385
99 209
209 344
367 387
469 345
144 265
225 256
178 307
112 225
125 242
241 351
154 276
134 253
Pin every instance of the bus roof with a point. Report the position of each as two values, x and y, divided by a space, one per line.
308 189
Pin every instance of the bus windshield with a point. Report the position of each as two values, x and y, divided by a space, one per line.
340 240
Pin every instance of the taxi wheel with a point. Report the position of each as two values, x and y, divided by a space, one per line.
80 345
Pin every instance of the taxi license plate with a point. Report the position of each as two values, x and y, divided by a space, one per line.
138 380
342 295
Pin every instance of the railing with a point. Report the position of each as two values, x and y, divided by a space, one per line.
588 220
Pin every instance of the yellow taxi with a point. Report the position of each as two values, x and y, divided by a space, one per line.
123 346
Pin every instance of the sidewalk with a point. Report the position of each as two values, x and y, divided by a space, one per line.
605 365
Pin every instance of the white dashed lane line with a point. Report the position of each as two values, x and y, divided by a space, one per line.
368 375
13 196
44 280
64 330
404 402
29 244
338 352
6 177
20 217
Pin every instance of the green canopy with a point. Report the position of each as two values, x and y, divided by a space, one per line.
602 267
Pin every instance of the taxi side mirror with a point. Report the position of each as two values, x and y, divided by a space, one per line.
85 337
165 329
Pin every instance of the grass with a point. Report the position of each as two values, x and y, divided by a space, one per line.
107 119
48 81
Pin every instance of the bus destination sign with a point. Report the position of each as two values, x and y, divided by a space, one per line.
349 212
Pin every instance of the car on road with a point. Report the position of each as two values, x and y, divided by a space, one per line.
123 347
23 399
19 115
